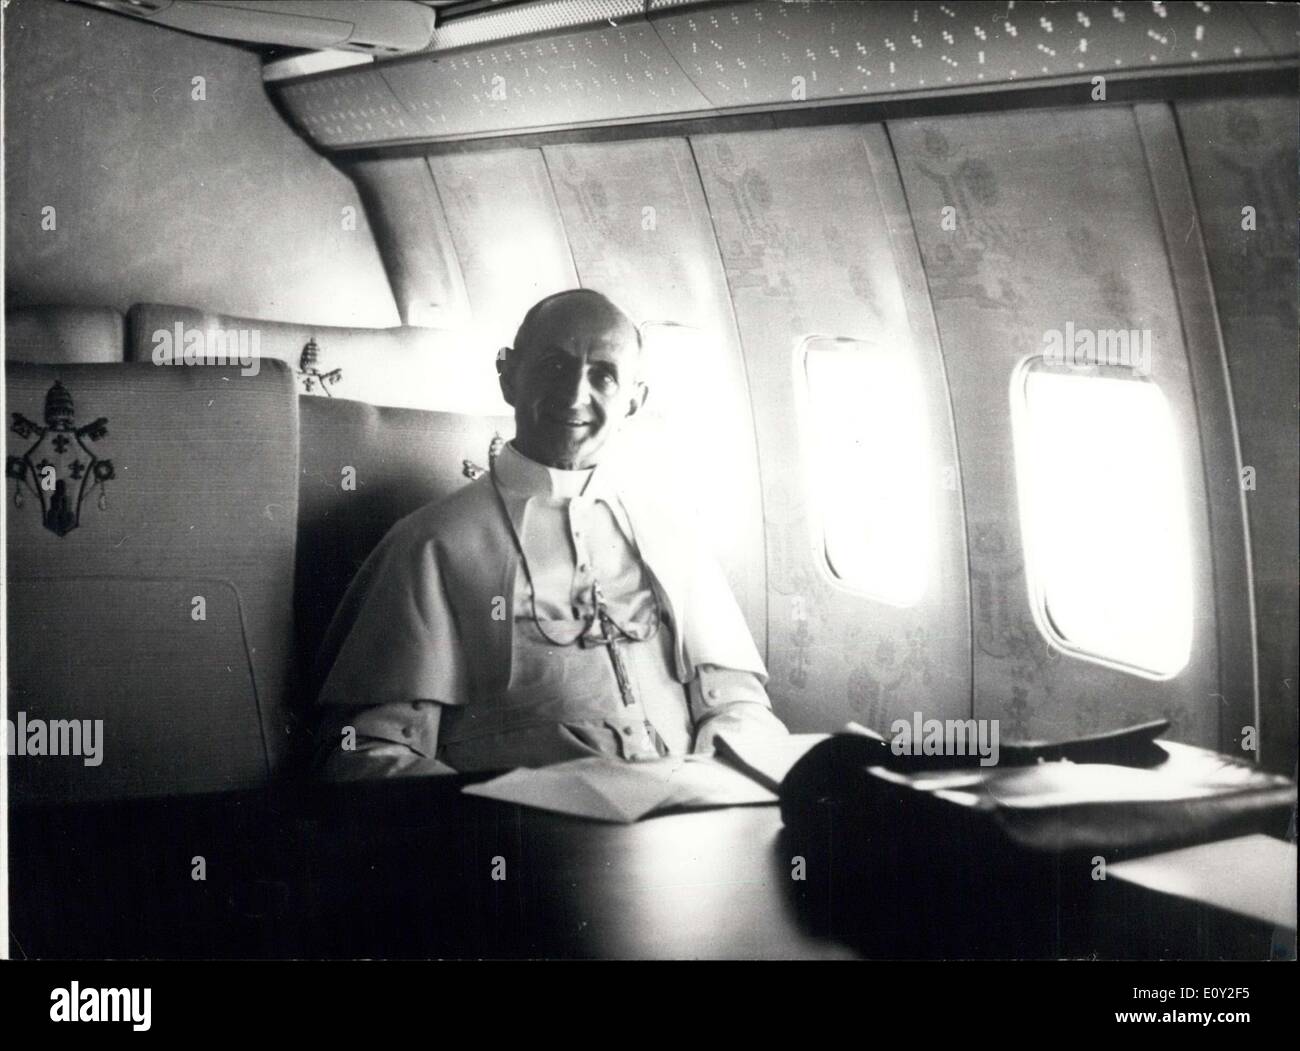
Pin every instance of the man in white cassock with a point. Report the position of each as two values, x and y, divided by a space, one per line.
548 610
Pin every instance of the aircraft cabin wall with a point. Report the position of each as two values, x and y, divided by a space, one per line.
160 196
848 325
1046 235
1237 155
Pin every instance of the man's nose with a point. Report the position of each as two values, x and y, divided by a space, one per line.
577 388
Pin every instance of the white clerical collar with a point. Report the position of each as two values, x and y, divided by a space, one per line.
519 479
517 472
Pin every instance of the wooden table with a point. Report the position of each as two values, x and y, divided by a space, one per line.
412 868
400 869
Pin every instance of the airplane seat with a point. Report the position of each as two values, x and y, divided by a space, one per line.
152 520
363 467
408 367
58 334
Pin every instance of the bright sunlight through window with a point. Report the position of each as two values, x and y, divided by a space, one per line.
869 465
1104 515
683 419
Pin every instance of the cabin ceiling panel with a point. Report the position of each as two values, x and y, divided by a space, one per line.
705 59
603 74
346 108
760 54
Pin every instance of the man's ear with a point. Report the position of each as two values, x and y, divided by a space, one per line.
638 399
506 374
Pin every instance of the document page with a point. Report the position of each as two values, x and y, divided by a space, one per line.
616 790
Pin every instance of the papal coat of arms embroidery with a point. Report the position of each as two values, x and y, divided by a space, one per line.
60 468
310 373
472 470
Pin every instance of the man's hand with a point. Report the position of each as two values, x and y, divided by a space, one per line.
730 702
738 720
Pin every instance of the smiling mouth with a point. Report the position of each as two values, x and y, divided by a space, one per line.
572 423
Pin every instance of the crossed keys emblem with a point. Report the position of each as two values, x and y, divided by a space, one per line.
60 468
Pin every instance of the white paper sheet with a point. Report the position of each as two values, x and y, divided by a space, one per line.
1070 784
1251 875
615 790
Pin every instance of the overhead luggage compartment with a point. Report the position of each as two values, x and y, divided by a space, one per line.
385 27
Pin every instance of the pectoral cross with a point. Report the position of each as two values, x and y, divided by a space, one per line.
610 637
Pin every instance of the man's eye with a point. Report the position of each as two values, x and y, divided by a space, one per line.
605 380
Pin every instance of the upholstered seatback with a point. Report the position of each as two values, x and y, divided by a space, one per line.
364 467
415 368
152 521
55 334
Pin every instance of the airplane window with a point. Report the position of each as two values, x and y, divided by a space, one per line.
1104 516
869 465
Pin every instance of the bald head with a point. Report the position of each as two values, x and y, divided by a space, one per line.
560 305
573 377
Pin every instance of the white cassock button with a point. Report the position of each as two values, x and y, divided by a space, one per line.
713 694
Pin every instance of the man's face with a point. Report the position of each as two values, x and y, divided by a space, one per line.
573 381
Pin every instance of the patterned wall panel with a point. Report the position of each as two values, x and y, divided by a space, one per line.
1238 694
1055 223
1241 154
508 237
414 241
807 255
640 231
